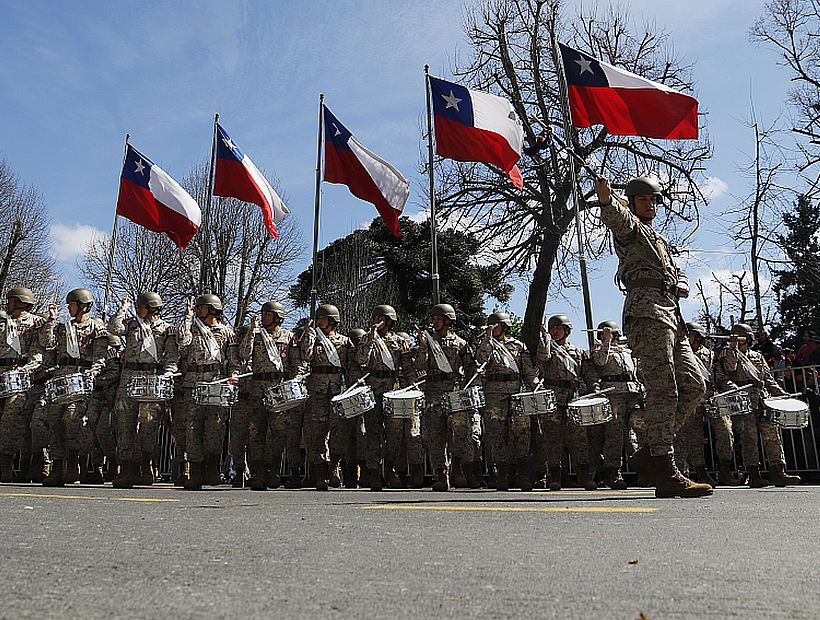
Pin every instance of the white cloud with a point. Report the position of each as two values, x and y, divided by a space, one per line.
714 188
69 241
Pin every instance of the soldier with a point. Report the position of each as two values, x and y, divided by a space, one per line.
100 431
269 352
81 346
508 366
385 355
689 440
208 346
615 368
655 330
18 334
448 362
565 368
326 352
37 412
150 349
347 438
239 423
744 366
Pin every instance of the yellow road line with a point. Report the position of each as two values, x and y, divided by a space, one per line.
95 497
510 508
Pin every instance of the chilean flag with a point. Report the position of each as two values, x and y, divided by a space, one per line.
366 174
238 177
475 126
152 199
624 103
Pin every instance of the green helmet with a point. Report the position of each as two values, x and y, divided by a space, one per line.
610 324
150 299
406 337
21 294
114 341
209 299
385 310
445 310
642 185
696 328
742 329
330 311
560 319
80 295
357 333
499 317
275 307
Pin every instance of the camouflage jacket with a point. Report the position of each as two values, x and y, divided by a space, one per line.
458 354
325 378
382 378
565 368
92 338
499 379
615 367
198 359
752 371
165 336
30 356
253 352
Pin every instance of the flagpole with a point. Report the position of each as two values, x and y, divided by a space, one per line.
111 250
204 275
316 204
433 226
582 260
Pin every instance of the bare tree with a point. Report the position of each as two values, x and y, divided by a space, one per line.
732 294
514 55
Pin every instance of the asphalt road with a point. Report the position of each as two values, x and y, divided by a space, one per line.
162 552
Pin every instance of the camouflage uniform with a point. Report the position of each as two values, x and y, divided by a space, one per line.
654 326
463 427
384 432
239 424
138 422
347 438
282 429
14 427
99 434
507 436
36 411
205 425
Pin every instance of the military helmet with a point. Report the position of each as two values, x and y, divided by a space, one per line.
445 310
275 307
385 310
696 328
150 299
405 336
114 341
24 295
356 332
499 317
330 311
642 185
610 324
209 299
80 295
742 329
560 319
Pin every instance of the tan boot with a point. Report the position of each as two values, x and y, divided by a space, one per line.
391 478
146 472
541 481
321 473
22 475
375 478
55 475
295 479
210 472
584 480
641 464
669 482
780 478
112 471
471 473
364 475
555 479
442 482
457 476
502 477
127 476
703 476
95 476
523 476
756 481
334 480
273 478
72 468
195 477
616 479
36 467
417 475
725 476
6 467
351 474
259 473
238 481
184 473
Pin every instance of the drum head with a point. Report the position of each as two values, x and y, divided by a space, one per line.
588 401
404 394
785 404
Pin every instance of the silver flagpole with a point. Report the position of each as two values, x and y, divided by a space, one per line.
433 226
316 204
204 266
112 249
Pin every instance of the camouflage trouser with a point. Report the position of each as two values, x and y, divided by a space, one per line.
65 428
271 433
239 428
748 426
606 441
464 427
558 431
347 439
318 420
508 437
36 404
634 430
397 430
690 439
102 414
137 427
13 428
674 385
202 424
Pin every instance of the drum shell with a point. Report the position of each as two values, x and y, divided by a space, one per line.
13 382
725 405
793 417
355 403
145 388
405 404
68 388
540 402
463 400
207 394
284 396
589 411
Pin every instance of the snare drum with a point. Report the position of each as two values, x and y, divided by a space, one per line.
68 388
462 400
150 388
733 402
14 382
589 410
539 402
286 395
787 413
215 394
403 403
354 403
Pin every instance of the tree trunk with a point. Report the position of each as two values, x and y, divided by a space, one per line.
537 294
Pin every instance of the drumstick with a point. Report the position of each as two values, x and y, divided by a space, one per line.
480 368
796 395
247 374
599 392
410 387
355 385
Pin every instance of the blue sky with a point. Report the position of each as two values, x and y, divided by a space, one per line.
78 76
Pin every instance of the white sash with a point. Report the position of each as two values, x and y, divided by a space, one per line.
13 334
506 357
272 349
384 352
569 363
147 341
438 354
210 342
748 366
330 351
707 376
72 345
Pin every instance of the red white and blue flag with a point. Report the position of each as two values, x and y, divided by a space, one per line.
475 126
626 104
238 177
367 175
152 199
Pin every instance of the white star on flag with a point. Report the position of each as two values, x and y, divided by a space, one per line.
229 143
452 101
140 167
585 66
338 133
